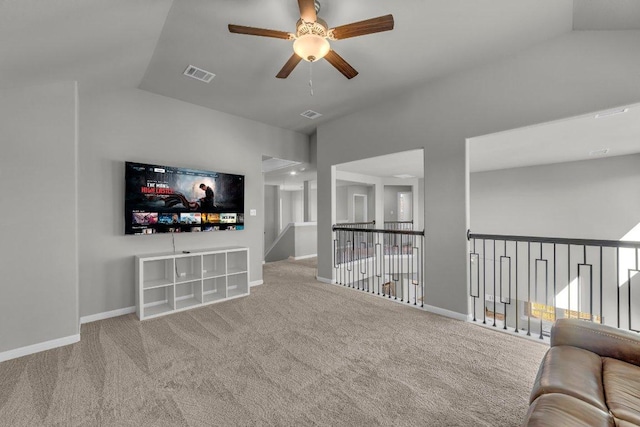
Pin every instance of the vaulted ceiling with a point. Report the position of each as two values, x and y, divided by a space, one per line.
149 43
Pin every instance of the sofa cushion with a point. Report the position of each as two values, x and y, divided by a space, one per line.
622 388
555 409
571 371
623 423
606 341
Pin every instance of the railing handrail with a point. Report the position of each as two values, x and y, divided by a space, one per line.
399 222
558 240
373 222
377 230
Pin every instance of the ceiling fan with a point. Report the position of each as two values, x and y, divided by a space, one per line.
311 39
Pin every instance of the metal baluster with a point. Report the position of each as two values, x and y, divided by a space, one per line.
529 289
494 284
555 309
517 318
569 280
509 285
471 277
396 269
366 261
484 282
618 282
601 286
422 275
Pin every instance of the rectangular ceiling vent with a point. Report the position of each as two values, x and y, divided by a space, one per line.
310 114
271 164
198 74
611 113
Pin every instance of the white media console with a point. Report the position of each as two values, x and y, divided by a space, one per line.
171 282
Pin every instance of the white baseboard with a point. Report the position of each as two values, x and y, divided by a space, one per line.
255 283
446 313
296 258
107 314
429 308
36 348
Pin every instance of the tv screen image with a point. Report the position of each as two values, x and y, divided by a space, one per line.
165 199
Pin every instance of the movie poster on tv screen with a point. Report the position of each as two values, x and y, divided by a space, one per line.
164 199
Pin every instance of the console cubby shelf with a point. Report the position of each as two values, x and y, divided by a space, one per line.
171 282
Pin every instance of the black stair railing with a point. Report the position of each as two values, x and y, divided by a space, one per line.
398 225
527 282
383 262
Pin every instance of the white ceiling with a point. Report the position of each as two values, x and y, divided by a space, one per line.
431 38
407 162
99 43
556 142
560 141
147 44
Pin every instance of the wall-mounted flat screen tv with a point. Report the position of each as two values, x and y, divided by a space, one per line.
165 199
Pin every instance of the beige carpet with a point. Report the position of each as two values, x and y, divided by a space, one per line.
296 352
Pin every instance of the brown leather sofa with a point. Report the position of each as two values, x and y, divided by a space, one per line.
589 377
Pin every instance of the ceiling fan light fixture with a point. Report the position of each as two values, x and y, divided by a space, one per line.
311 47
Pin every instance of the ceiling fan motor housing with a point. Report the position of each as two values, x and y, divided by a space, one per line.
311 41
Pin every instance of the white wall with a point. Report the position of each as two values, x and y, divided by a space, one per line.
568 76
134 125
591 199
38 204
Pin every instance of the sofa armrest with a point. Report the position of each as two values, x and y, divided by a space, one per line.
606 341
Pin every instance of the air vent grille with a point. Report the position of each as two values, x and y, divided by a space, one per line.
271 164
198 74
611 113
310 114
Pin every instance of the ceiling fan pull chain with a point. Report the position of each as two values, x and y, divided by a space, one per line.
311 77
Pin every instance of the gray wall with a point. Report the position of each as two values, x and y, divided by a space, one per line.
271 209
564 77
292 207
344 201
297 240
306 242
592 199
342 215
120 125
38 202
391 200
297 206
285 204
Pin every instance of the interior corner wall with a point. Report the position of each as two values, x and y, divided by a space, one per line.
135 125
590 199
297 206
271 215
564 77
38 201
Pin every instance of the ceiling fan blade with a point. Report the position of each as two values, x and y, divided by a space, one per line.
289 66
252 31
307 10
368 26
341 65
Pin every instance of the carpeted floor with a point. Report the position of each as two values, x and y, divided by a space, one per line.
296 352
